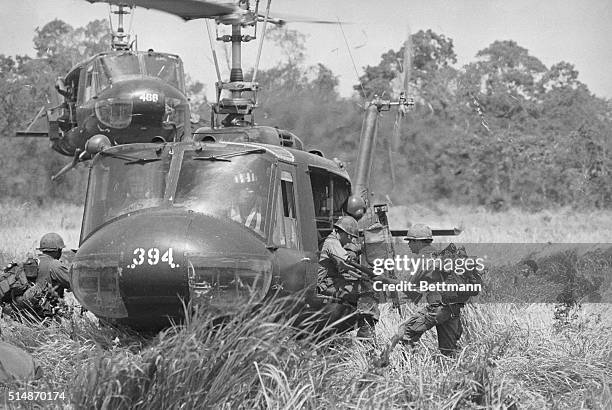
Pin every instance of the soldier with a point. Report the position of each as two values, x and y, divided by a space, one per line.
441 311
335 279
52 278
248 207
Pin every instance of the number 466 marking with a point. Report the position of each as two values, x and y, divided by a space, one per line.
152 257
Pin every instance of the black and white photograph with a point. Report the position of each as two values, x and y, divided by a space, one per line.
291 204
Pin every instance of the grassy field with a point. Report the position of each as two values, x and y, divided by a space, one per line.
513 356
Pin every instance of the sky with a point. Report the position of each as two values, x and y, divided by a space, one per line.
575 31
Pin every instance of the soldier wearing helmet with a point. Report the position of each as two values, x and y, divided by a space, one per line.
52 274
335 280
247 208
440 311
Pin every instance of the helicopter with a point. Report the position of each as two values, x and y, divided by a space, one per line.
129 96
232 216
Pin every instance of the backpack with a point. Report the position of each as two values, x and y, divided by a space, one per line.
12 276
470 276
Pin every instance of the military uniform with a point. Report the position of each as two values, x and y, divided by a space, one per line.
51 276
443 308
52 280
334 280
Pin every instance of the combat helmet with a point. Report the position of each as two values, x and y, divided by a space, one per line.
51 242
418 232
348 224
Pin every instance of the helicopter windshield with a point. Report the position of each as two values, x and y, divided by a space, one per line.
116 66
233 187
121 185
164 67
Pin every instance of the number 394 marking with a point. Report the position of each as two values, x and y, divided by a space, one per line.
149 97
152 257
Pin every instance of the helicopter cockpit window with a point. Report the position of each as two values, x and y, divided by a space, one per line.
164 67
330 193
235 189
89 90
117 66
118 186
102 76
286 228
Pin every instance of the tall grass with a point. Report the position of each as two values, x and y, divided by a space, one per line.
513 355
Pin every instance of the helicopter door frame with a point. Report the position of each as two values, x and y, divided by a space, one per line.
324 181
286 209
288 248
89 89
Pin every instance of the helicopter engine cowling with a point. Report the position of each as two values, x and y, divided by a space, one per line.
139 269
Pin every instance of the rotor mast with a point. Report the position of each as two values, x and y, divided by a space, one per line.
236 99
367 141
120 39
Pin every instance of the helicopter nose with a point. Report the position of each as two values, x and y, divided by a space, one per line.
143 268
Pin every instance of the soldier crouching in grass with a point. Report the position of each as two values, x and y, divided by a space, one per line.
39 284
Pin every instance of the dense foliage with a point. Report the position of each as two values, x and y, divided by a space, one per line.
502 130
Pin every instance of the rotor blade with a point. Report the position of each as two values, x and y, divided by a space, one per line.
186 9
407 67
397 130
406 71
292 18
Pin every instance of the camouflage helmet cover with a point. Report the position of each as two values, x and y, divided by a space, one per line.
418 232
348 224
51 242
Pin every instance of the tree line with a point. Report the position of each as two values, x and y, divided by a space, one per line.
503 130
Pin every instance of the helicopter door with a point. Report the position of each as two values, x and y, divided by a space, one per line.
330 193
286 234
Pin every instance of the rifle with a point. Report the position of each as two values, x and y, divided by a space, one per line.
361 272
364 273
